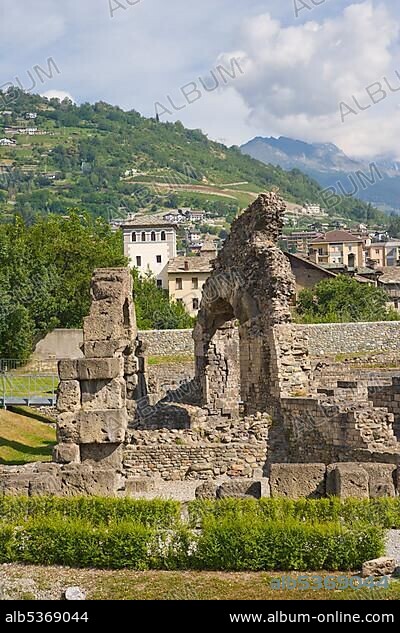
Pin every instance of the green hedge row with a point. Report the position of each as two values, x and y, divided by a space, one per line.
223 544
382 512
96 510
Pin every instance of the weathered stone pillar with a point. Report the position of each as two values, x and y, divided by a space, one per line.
95 397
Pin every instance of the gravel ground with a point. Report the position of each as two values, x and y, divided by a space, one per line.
393 544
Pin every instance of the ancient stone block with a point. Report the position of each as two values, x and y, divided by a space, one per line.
297 480
68 428
350 481
68 396
381 490
380 479
102 426
137 486
104 349
66 453
239 489
103 394
99 368
101 328
78 479
17 484
45 484
104 455
68 369
103 482
383 566
207 490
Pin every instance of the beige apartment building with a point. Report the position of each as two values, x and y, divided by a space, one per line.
384 254
186 278
338 247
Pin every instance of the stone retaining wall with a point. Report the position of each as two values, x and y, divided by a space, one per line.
325 339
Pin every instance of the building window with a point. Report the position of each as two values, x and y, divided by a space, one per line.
320 251
178 283
377 251
138 260
143 236
195 304
163 237
195 283
159 283
133 237
158 258
153 236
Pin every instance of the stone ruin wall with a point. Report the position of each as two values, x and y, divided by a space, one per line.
257 410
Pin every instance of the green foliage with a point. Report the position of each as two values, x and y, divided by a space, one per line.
381 512
244 543
96 510
45 272
91 146
343 299
154 310
77 543
271 534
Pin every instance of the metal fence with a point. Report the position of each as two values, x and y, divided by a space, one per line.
32 366
28 389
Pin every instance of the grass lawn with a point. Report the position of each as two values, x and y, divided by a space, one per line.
24 440
49 582
172 358
17 384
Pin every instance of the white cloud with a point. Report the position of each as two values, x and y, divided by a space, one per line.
296 76
58 94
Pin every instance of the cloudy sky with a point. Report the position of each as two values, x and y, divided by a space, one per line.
316 70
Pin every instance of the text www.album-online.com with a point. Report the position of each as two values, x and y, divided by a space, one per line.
337 617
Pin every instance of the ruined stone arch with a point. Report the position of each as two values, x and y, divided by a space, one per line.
251 286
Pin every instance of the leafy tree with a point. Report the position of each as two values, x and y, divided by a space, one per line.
45 272
343 299
154 311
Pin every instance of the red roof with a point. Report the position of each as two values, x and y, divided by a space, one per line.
333 237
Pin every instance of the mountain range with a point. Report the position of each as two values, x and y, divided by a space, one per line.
331 167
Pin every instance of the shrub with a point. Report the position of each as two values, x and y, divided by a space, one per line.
77 543
96 510
231 544
383 512
242 544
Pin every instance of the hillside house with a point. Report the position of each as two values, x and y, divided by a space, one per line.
186 278
338 247
150 243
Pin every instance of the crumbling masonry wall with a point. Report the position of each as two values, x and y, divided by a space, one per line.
258 409
251 284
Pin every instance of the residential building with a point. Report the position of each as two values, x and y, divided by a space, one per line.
338 247
384 253
175 217
299 241
31 115
7 141
390 282
194 236
186 278
312 209
194 215
150 243
209 248
307 274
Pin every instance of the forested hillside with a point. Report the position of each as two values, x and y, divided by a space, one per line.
109 162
